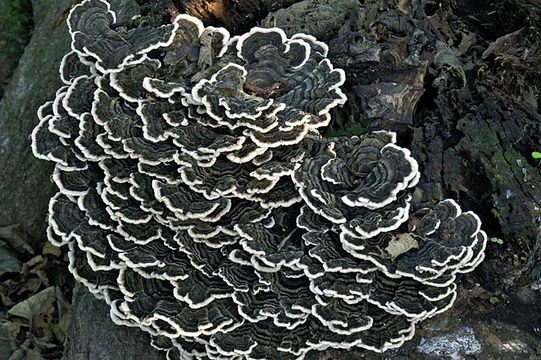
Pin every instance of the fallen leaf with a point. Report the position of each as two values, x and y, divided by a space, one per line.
35 261
50 249
401 244
35 305
33 355
26 354
9 262
17 238
28 288
18 354
503 44
8 338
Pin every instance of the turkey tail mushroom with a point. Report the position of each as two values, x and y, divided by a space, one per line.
199 200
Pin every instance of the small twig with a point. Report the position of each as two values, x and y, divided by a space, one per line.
284 241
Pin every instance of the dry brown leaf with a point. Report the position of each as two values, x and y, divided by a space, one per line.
400 245
17 238
35 305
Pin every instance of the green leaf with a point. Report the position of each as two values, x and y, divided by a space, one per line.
496 240
494 300
536 155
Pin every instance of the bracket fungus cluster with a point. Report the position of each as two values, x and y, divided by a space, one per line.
198 199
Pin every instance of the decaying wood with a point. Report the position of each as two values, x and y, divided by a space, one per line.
461 96
236 15
93 335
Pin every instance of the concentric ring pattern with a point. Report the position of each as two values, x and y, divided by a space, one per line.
198 199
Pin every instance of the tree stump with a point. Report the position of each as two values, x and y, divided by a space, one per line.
468 109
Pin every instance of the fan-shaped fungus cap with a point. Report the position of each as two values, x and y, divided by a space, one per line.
197 198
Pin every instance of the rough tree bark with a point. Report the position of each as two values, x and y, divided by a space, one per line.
472 136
